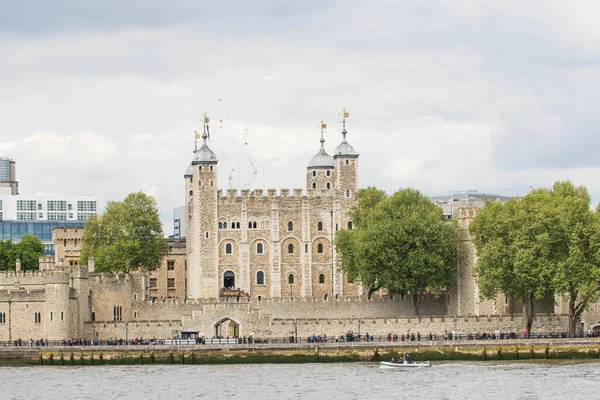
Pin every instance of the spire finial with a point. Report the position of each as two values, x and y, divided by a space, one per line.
206 133
345 114
323 126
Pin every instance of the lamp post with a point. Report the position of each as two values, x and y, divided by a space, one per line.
455 333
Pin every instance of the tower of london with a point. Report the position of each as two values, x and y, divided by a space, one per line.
273 244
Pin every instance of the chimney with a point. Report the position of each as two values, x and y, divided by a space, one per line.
18 265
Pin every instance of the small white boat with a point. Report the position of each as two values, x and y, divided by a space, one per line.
388 364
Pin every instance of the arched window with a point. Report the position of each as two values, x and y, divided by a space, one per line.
211 183
237 225
328 185
321 278
314 186
224 225
210 167
249 225
314 173
259 248
290 226
191 193
320 226
254 225
320 248
228 248
349 225
291 279
290 248
347 194
220 225
200 168
347 162
260 278
328 173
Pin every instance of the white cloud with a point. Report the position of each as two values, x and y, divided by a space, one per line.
442 96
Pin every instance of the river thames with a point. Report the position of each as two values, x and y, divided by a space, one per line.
452 380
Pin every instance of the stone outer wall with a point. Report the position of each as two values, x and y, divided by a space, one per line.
278 322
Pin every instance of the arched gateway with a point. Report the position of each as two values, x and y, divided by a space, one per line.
227 328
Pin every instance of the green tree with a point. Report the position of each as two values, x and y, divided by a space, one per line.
29 250
519 244
401 243
127 237
7 255
577 269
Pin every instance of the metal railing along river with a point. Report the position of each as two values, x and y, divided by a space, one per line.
348 339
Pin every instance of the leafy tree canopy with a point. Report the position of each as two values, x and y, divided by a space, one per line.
401 243
127 237
29 250
544 243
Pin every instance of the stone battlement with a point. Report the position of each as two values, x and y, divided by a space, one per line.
22 294
236 196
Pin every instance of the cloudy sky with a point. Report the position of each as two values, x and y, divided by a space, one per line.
103 97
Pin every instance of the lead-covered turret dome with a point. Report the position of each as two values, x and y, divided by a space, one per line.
204 154
321 159
345 148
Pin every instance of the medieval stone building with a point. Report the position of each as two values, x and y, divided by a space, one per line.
269 244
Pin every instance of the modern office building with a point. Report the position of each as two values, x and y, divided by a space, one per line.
8 179
465 199
39 215
179 224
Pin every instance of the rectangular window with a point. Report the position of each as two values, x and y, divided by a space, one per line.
37 317
170 265
56 205
62 316
51 315
171 283
57 216
26 205
86 206
153 283
2 318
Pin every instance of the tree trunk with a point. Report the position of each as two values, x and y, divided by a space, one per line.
415 298
372 287
573 316
528 312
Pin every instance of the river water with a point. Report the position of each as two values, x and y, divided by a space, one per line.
452 380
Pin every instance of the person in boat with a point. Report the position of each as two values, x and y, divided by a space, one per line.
408 358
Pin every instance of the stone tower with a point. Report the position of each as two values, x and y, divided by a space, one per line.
202 215
320 172
346 169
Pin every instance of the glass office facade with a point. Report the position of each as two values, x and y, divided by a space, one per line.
14 230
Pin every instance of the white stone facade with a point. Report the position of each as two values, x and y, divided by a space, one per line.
273 244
